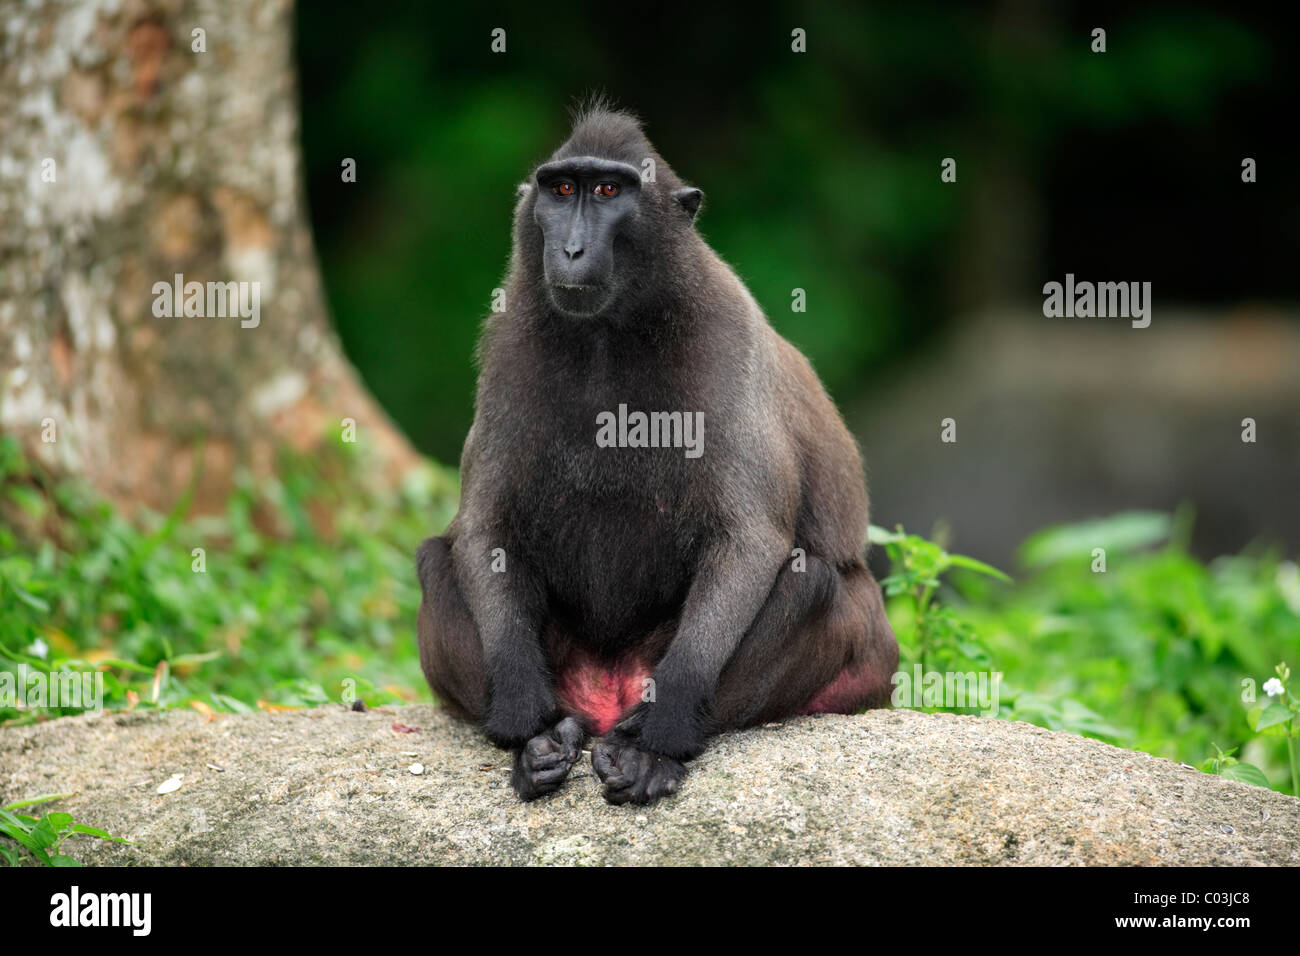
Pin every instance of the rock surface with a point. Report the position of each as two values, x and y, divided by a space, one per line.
330 786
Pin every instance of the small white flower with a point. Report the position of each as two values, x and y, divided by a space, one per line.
39 648
1273 687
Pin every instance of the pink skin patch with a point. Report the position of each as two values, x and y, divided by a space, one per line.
600 693
843 695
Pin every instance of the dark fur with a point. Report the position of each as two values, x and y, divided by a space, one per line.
618 553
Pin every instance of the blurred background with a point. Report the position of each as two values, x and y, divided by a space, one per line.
822 171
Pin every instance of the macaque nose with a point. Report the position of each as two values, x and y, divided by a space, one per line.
574 244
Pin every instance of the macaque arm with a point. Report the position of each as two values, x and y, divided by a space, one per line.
730 587
508 608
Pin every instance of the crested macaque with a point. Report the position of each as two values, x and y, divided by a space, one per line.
648 589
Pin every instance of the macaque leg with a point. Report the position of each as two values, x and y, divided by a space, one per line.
821 644
451 655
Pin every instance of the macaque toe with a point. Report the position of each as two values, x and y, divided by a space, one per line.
633 775
544 761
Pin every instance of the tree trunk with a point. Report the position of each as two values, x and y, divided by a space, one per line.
129 156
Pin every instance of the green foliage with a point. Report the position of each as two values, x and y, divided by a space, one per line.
43 838
1226 765
1279 717
307 591
933 636
1168 649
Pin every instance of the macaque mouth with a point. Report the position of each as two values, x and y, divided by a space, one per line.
578 299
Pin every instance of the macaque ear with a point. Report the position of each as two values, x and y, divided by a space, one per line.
523 189
689 198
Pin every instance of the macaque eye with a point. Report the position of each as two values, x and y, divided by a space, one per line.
563 189
608 190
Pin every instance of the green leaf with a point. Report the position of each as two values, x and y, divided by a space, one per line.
96 832
90 831
961 561
27 498
62 860
21 835
1125 532
878 535
33 801
1276 712
31 600
195 658
41 855
231 704
44 834
22 658
1080 719
1246 773
13 819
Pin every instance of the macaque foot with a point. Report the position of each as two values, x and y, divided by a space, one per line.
634 775
542 764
